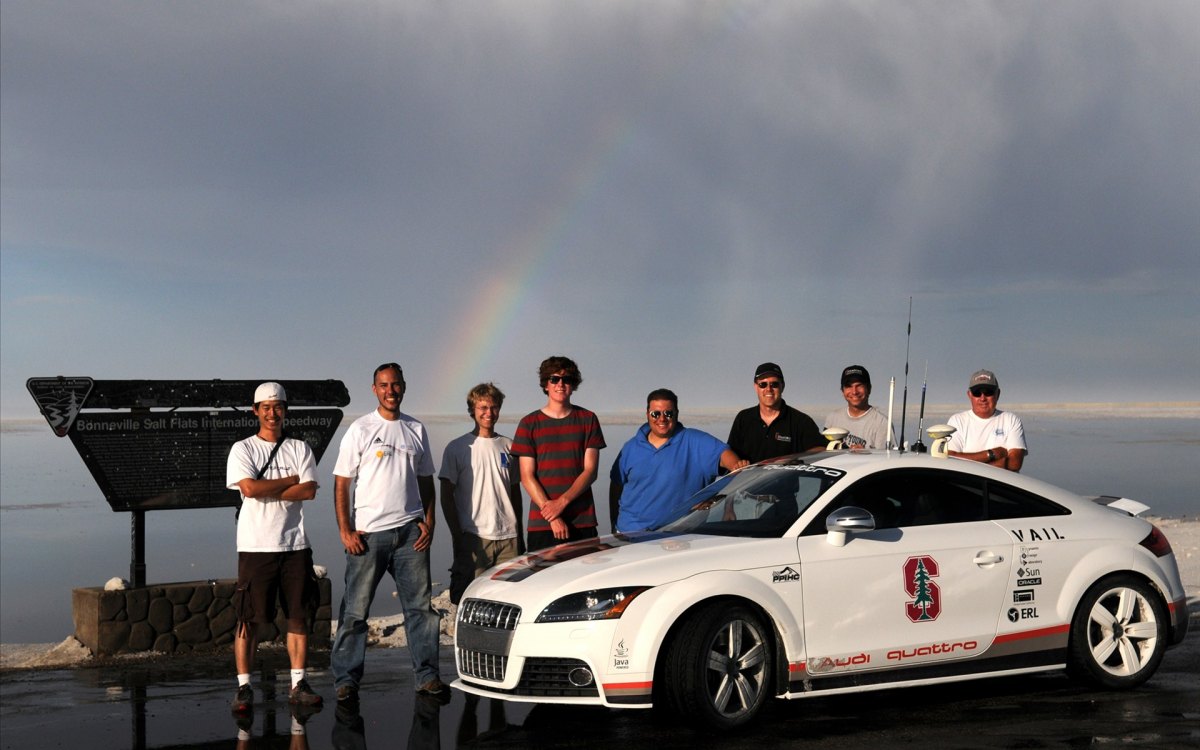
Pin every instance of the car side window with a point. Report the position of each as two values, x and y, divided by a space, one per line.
1005 501
912 497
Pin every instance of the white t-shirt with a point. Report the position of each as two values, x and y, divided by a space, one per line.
479 469
1001 430
270 524
869 430
386 457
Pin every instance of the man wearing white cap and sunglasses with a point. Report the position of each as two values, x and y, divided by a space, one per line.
985 433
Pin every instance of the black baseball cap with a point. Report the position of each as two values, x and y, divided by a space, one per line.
856 374
767 369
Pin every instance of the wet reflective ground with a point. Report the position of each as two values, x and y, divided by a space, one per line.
183 703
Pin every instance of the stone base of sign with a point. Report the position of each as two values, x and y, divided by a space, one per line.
175 618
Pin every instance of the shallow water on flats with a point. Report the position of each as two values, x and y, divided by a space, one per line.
58 533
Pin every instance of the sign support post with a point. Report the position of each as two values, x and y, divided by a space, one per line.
137 551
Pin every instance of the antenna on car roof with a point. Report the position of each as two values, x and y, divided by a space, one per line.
919 447
904 401
891 401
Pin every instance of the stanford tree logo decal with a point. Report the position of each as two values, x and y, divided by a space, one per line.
926 596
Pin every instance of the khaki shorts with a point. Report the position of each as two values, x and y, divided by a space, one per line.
472 556
264 577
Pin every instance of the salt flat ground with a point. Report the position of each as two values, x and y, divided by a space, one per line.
56 695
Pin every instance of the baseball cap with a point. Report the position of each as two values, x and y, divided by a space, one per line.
768 368
269 392
983 377
856 373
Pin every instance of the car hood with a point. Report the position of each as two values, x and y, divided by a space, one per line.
640 559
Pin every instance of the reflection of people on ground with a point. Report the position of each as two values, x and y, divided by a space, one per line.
295 739
386 525
274 475
663 465
426 731
468 726
983 432
349 731
559 453
772 428
481 493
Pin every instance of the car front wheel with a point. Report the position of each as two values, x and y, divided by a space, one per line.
719 668
1119 633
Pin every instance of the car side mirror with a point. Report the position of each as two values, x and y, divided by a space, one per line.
844 521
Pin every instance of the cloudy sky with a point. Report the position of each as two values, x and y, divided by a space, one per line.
669 192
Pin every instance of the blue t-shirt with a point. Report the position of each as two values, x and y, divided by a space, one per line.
658 481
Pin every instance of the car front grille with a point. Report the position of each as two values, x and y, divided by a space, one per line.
547 676
544 676
486 614
483 634
482 666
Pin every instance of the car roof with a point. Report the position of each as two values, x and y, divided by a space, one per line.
859 463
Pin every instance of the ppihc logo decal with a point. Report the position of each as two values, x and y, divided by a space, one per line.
786 575
926 602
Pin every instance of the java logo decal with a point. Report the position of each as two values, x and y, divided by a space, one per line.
926 595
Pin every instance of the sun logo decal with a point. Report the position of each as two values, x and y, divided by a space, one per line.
926 596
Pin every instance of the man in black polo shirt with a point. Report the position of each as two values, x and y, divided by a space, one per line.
772 428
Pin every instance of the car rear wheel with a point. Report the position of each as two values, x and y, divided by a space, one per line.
719 667
1119 633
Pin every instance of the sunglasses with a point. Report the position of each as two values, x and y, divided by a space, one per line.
981 391
772 384
667 414
556 379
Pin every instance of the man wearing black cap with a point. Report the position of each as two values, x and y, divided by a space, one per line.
866 425
772 428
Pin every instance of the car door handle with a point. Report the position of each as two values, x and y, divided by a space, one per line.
986 558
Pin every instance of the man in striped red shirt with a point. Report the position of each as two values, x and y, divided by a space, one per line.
558 447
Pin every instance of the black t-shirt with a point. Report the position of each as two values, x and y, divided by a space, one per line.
792 431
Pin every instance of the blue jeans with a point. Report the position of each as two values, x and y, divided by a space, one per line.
387 551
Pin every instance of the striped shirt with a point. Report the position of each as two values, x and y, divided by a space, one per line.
558 446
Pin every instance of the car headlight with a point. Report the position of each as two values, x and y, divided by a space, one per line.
600 604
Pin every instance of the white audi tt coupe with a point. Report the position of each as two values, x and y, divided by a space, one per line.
828 573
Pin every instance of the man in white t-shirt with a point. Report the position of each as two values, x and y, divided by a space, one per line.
274 475
985 433
384 499
481 493
866 425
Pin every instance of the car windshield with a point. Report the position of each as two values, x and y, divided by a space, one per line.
760 501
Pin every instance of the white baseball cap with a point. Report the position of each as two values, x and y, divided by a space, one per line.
269 392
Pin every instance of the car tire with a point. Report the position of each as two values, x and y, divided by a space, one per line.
718 668
1119 633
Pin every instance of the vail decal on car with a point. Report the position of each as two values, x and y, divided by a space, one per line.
926 603
1038 535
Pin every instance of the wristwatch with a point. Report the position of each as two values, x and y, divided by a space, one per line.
991 455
